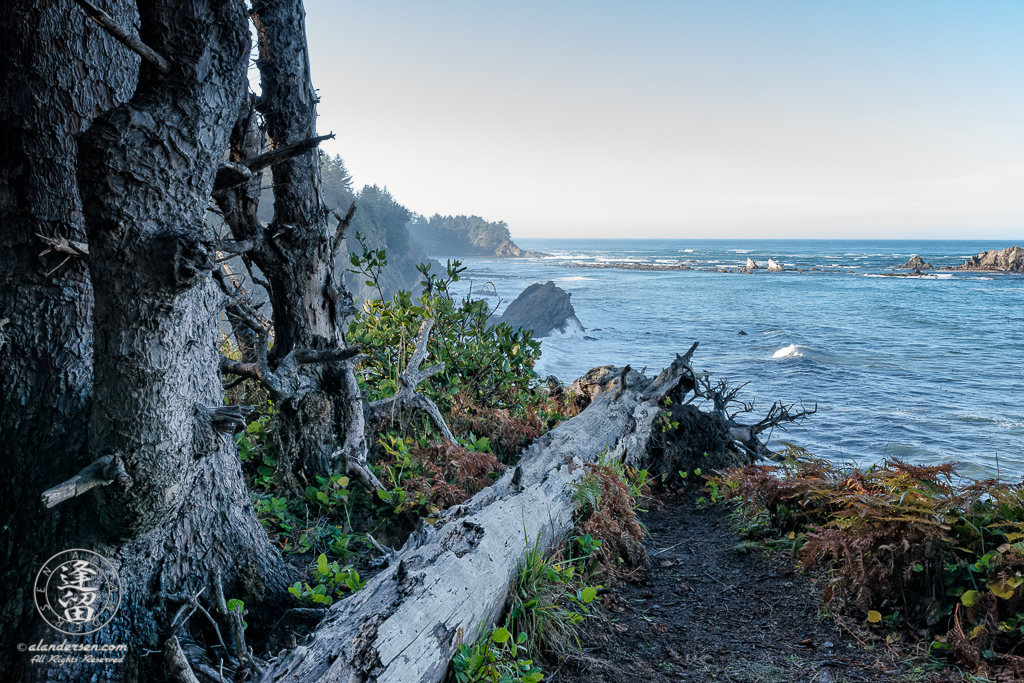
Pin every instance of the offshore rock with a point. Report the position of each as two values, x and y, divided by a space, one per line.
1009 260
916 263
774 267
751 266
543 308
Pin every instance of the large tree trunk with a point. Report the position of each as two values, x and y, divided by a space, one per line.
178 518
452 577
296 251
57 72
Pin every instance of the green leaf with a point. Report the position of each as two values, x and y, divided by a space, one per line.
588 594
969 598
500 635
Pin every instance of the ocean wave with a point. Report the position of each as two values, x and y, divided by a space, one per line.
798 351
998 422
574 278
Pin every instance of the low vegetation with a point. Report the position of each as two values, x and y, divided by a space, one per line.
555 591
488 394
916 552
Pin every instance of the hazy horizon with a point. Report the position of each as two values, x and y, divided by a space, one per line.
684 120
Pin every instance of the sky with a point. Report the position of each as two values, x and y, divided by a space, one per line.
720 118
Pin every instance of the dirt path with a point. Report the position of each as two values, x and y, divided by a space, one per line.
707 612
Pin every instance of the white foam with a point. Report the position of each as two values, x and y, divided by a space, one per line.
688 251
574 278
791 351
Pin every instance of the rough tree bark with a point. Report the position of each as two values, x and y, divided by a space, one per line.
57 72
179 521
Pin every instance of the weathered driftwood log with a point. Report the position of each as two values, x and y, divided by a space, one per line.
452 578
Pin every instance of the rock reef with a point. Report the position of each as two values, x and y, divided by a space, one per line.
916 263
632 265
1009 260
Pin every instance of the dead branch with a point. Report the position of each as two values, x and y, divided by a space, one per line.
102 472
285 152
130 41
406 397
354 449
343 223
64 246
234 173
454 576
779 415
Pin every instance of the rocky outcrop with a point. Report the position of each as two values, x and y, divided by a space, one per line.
751 266
543 308
1009 260
774 267
916 263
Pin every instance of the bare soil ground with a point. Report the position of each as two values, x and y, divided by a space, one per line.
706 610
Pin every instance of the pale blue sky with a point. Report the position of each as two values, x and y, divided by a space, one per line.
684 119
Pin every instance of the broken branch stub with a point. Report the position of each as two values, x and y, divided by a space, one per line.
102 472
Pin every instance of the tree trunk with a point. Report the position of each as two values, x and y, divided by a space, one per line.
57 71
451 578
179 518
296 251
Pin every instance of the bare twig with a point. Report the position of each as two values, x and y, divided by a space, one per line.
127 39
389 553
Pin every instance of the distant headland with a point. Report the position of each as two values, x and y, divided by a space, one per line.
445 236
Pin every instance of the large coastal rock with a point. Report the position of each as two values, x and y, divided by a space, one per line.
916 263
1010 260
751 266
774 266
543 308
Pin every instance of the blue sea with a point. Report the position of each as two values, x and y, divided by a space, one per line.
925 368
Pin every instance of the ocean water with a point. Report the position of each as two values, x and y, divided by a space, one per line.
929 369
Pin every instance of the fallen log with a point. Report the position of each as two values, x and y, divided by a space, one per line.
452 578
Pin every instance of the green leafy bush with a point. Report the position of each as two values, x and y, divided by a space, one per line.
495 657
329 581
